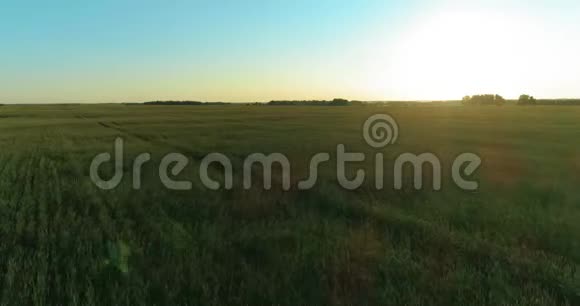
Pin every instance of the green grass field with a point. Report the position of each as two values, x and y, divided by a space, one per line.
63 241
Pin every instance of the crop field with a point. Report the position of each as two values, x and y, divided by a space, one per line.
64 241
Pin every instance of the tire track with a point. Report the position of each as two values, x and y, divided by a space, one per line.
198 156
195 155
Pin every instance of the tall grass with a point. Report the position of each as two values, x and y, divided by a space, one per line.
65 242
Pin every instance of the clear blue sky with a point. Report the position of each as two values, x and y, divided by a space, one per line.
114 51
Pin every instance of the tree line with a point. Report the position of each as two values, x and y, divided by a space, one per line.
335 102
483 100
523 100
183 103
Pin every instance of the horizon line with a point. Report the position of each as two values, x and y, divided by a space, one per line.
265 102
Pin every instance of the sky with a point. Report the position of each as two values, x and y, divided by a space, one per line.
130 51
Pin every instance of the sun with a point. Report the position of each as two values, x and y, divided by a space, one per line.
451 53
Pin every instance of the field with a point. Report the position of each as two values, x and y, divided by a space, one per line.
63 241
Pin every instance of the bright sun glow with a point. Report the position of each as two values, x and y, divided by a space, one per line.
453 53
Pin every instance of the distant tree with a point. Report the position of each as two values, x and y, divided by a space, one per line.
174 103
466 100
499 100
335 102
527 100
483 100
524 100
339 102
